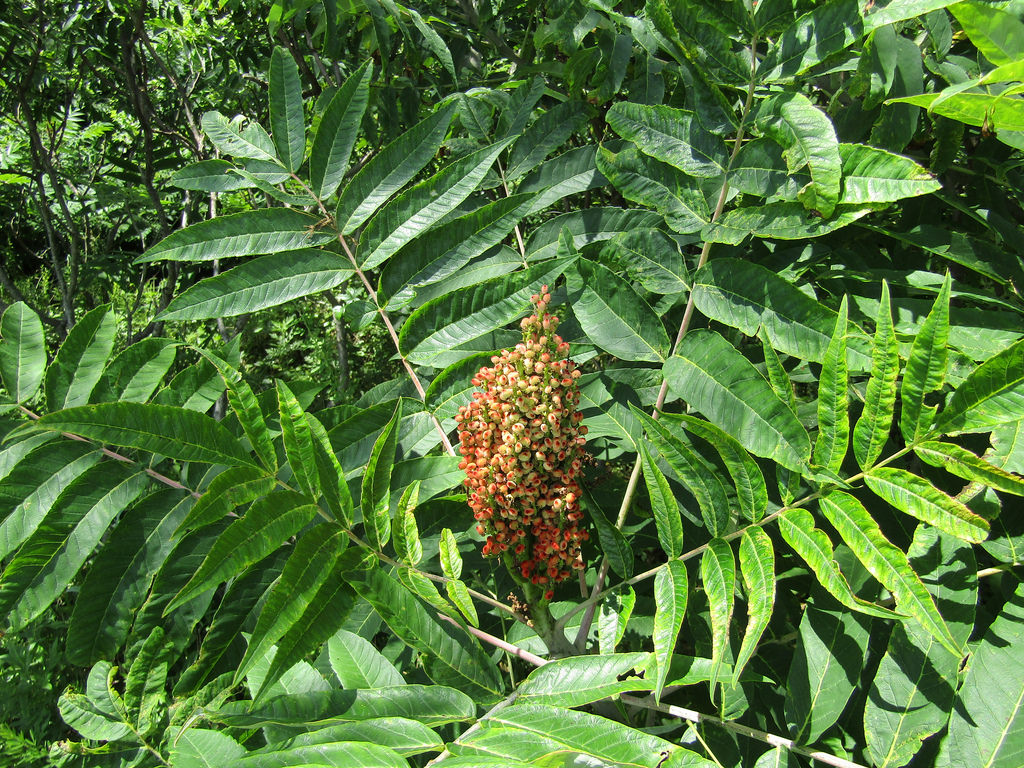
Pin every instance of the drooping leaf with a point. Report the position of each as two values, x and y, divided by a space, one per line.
590 225
247 410
326 611
886 563
833 407
145 682
991 396
664 505
22 352
649 256
613 543
287 120
232 488
336 134
718 574
671 592
613 315
264 527
914 495
390 169
454 657
688 468
797 528
746 475
674 136
807 138
456 318
757 568
571 172
79 363
30 490
261 283
926 368
414 211
250 233
709 373
174 432
875 423
404 529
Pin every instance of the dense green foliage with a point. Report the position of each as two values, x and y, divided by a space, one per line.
254 256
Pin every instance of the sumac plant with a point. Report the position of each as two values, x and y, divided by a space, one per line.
779 515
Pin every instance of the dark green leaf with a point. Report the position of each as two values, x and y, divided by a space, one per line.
664 506
671 592
991 396
251 233
926 368
718 574
375 500
22 352
674 136
339 125
875 423
287 121
916 496
79 362
833 406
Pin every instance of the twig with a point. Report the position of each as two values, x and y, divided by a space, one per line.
120 457
497 642
627 498
774 740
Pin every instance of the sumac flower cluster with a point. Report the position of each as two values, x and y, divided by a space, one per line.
522 443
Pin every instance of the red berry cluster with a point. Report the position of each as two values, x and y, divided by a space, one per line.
523 446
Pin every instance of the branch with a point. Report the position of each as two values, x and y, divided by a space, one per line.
684 326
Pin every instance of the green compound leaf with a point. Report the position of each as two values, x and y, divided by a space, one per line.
78 365
916 496
298 441
709 373
887 564
265 526
991 396
375 499
414 211
814 547
746 474
389 170
450 321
